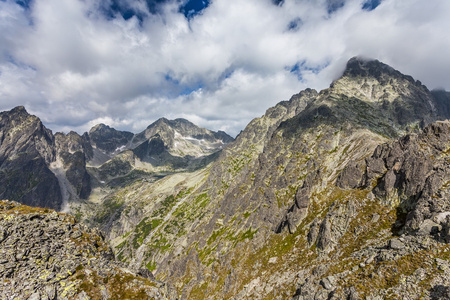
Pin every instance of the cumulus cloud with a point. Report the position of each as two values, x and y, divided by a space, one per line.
77 63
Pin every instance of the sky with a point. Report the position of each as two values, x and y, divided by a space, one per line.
217 63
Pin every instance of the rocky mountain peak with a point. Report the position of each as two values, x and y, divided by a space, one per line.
372 93
108 139
162 120
366 72
99 127
19 109
360 66
18 116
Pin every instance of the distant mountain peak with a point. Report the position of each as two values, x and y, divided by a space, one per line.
360 66
100 127
19 112
160 121
171 123
18 109
363 66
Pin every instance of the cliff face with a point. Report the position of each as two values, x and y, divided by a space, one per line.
39 168
297 198
26 151
49 255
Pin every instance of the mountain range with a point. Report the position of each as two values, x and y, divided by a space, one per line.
337 194
52 170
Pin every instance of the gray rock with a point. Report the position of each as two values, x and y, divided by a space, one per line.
351 177
328 283
375 218
396 244
428 227
35 296
50 291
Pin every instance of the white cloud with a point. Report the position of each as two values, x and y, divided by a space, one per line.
73 67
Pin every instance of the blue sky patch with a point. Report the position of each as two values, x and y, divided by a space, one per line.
24 3
189 89
295 24
194 7
177 89
371 4
127 11
278 2
302 66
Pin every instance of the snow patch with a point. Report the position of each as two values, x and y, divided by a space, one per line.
120 149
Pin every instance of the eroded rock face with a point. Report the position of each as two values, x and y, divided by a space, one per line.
73 151
49 255
26 151
413 173
39 168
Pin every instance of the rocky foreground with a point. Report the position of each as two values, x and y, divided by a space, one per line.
49 255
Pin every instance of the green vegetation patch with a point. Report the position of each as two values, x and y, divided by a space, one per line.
108 208
143 229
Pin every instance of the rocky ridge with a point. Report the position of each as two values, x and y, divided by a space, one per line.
49 255
292 200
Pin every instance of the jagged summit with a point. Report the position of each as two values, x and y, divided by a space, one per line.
378 96
99 127
185 128
178 141
20 114
108 139
365 67
19 109
26 150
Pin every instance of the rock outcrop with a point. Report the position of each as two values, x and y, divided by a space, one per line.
412 175
49 255
400 229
